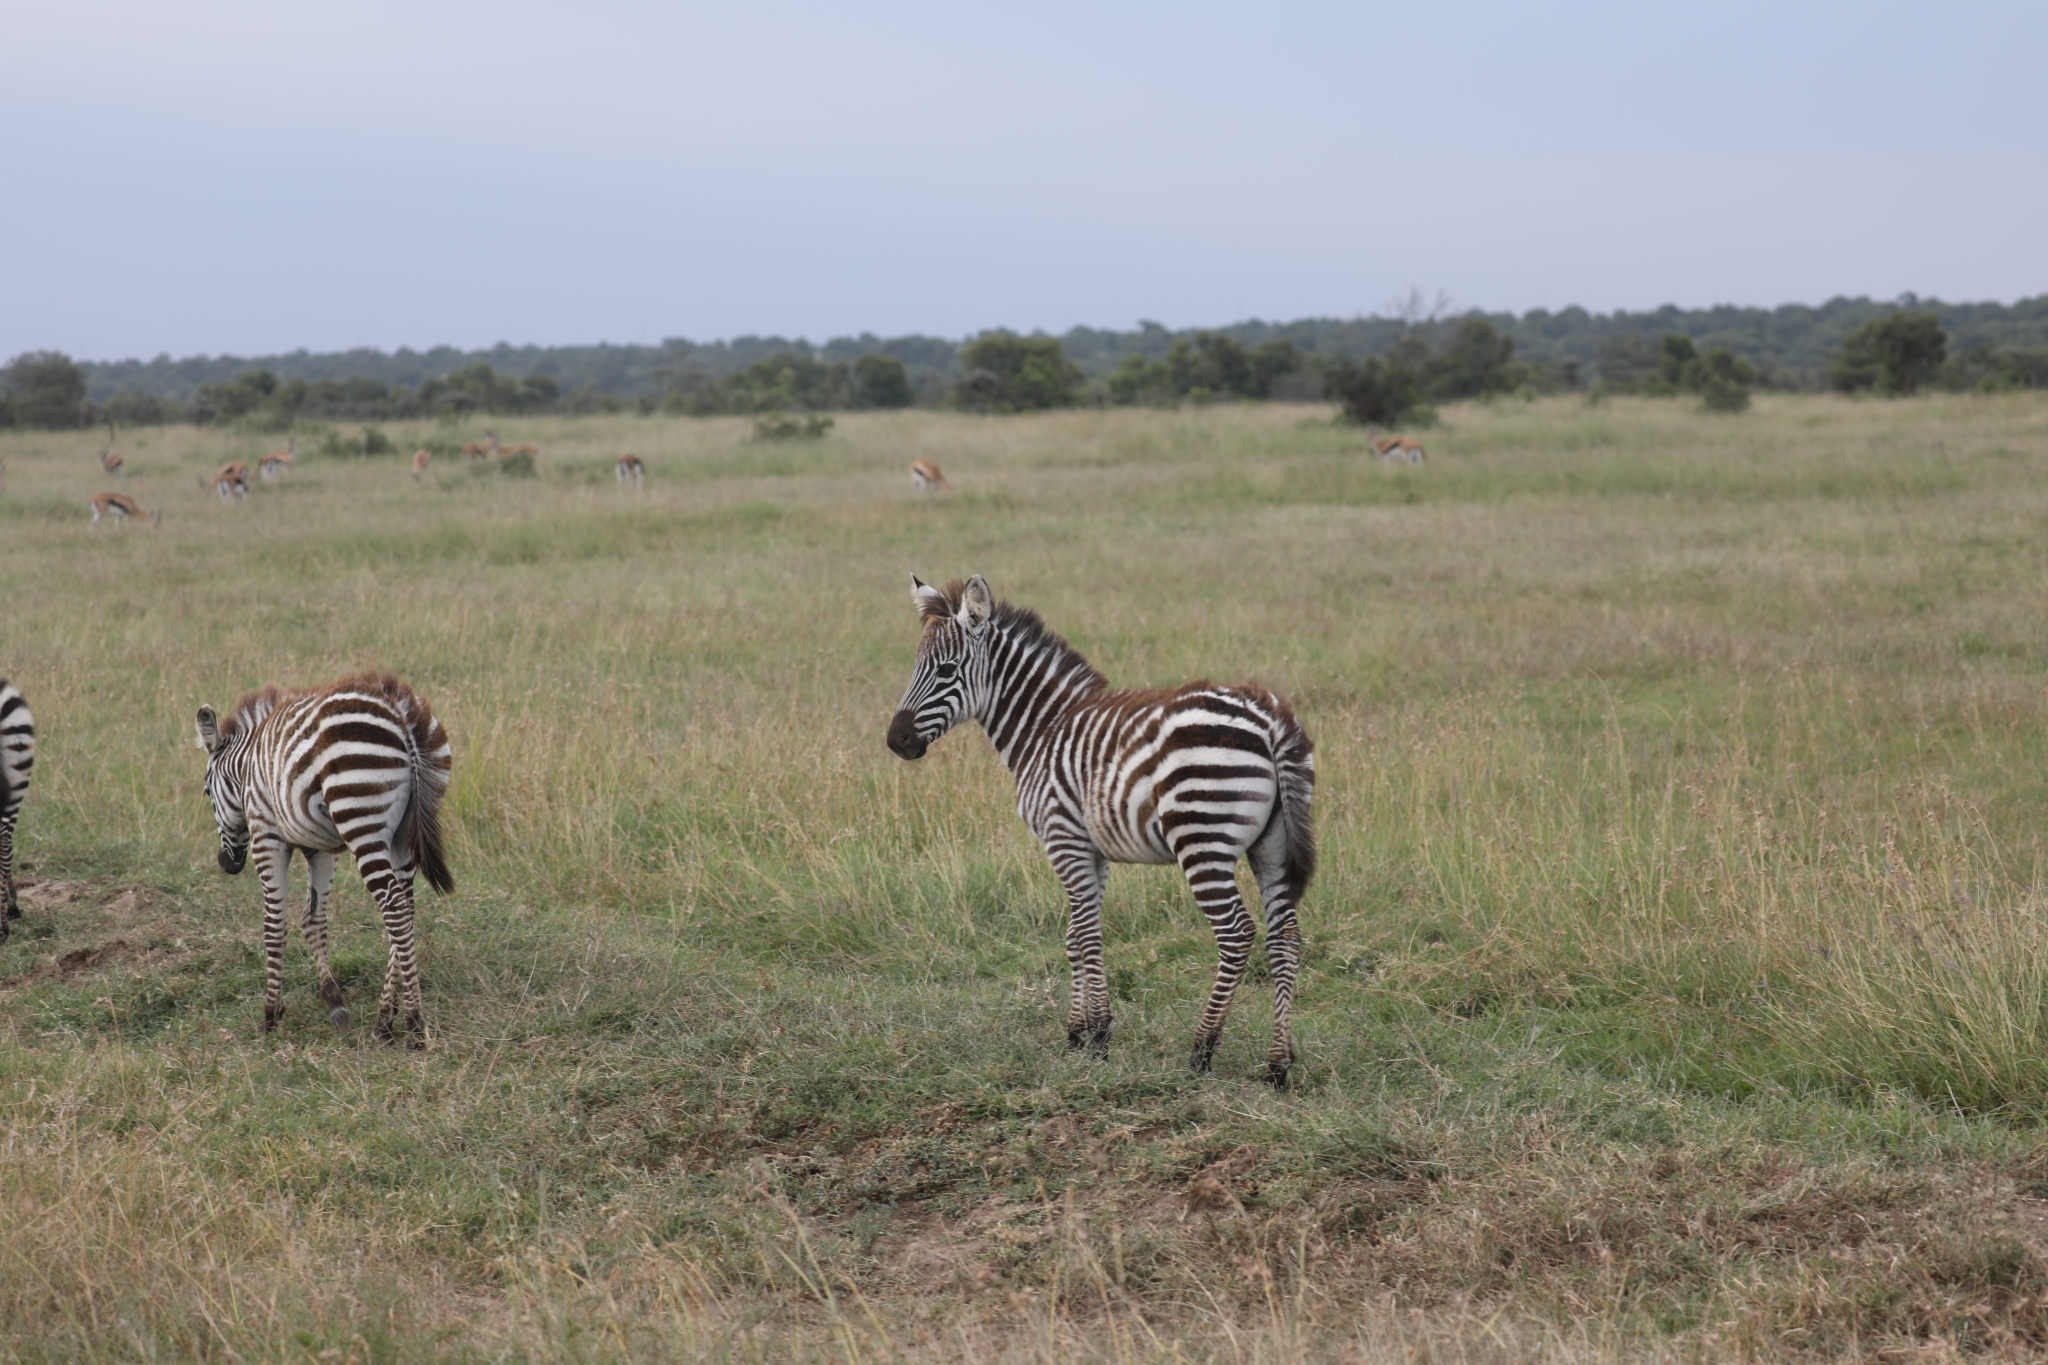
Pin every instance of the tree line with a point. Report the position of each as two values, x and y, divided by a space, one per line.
1425 361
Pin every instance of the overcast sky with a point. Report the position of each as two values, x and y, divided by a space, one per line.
248 178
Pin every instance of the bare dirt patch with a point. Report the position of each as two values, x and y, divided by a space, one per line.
77 962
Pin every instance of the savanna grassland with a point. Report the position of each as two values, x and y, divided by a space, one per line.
1676 978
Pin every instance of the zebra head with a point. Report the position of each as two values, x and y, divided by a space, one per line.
224 788
950 681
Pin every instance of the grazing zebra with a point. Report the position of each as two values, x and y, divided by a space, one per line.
279 461
1198 775
630 470
231 480
926 476
120 507
360 765
17 758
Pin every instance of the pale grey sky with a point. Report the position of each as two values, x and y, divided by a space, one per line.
229 176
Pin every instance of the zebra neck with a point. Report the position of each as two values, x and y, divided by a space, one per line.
1035 680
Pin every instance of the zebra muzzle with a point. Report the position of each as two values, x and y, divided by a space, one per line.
903 740
231 861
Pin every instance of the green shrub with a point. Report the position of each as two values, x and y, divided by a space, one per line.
788 426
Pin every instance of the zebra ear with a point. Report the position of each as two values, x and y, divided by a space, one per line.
977 604
930 601
209 731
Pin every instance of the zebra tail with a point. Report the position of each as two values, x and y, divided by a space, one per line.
426 744
1294 757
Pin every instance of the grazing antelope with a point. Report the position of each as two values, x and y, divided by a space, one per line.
496 449
17 758
1396 447
278 461
111 463
360 765
1198 775
630 470
120 507
473 451
419 461
231 480
925 474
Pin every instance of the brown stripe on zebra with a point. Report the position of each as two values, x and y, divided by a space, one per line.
361 764
1199 775
17 764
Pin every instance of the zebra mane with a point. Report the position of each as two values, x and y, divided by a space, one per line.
251 708
1021 625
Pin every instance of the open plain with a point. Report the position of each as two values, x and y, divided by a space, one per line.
1676 978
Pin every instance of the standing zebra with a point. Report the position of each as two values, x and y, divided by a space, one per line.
17 758
361 765
1197 775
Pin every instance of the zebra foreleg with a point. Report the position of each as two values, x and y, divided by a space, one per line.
273 859
1214 883
319 900
1083 871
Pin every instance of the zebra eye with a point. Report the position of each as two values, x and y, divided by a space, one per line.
947 669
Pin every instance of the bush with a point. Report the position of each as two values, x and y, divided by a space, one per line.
1894 355
1376 391
882 381
1006 373
48 390
788 426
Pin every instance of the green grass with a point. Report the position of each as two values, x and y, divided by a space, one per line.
1676 979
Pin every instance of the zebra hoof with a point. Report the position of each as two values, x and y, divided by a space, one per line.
340 1018
1202 1058
1276 1076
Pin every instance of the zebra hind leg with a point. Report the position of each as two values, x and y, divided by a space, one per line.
319 900
1214 882
1281 893
12 909
402 972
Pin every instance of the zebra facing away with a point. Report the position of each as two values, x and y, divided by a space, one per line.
1198 775
362 765
17 759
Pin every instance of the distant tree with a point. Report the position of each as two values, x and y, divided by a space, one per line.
1376 391
1475 364
1675 356
1030 373
1625 363
48 390
1895 355
882 381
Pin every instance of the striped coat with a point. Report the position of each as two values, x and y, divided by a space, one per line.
360 765
1199 776
17 761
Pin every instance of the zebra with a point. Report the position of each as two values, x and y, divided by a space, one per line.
361 764
17 760
1198 775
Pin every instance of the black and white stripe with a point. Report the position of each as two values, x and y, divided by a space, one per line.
17 762
361 765
1199 776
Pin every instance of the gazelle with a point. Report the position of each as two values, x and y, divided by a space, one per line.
496 449
473 451
231 480
419 461
120 507
111 463
925 474
1396 447
630 470
278 461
